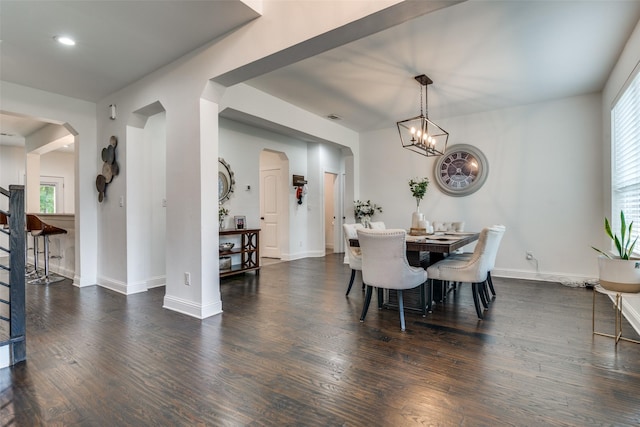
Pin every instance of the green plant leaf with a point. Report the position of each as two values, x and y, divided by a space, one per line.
603 253
623 230
607 228
630 252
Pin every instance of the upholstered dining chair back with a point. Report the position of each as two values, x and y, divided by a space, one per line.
472 269
385 266
483 258
353 253
384 260
501 230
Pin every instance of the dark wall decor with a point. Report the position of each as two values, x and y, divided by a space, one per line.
462 170
110 167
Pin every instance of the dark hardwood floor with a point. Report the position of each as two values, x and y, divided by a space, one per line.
289 350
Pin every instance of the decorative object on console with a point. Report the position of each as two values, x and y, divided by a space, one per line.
225 263
419 134
110 167
462 170
364 211
240 222
418 190
620 273
226 246
222 214
226 181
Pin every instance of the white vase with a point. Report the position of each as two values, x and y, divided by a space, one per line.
619 275
416 219
366 221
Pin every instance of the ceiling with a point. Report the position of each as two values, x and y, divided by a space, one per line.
481 54
118 42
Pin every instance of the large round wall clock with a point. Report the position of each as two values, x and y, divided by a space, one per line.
461 170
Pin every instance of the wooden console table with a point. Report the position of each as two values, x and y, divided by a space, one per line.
248 252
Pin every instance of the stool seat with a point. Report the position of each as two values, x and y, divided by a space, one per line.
38 228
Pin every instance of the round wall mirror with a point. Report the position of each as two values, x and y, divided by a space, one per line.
226 181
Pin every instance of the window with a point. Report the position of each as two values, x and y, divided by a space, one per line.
51 194
47 198
625 143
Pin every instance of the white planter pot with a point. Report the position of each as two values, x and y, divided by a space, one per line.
619 275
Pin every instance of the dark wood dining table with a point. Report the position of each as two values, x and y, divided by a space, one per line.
422 251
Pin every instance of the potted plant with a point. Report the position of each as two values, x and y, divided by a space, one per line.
418 190
222 213
621 272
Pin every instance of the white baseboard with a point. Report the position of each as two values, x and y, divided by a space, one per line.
565 279
131 288
121 287
156 282
191 308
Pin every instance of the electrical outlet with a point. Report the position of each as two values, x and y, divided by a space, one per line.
529 255
187 279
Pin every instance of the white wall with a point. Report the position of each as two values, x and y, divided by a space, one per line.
543 184
12 166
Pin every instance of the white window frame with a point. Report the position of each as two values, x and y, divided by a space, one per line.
625 156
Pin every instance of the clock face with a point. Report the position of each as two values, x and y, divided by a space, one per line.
461 170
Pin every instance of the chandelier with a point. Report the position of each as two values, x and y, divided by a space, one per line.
420 134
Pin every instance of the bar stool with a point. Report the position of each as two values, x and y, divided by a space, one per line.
44 230
33 226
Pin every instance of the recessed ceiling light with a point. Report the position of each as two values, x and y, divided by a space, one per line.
65 40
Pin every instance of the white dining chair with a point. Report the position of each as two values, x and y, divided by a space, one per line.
467 255
473 269
385 266
354 256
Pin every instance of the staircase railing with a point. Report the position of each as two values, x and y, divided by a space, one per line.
13 309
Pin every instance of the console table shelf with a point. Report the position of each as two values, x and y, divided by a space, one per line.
247 253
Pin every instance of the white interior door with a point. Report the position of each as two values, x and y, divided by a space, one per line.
270 207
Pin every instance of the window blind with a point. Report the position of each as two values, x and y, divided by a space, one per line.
625 172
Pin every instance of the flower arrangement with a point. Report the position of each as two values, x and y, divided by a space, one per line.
222 212
418 189
365 209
